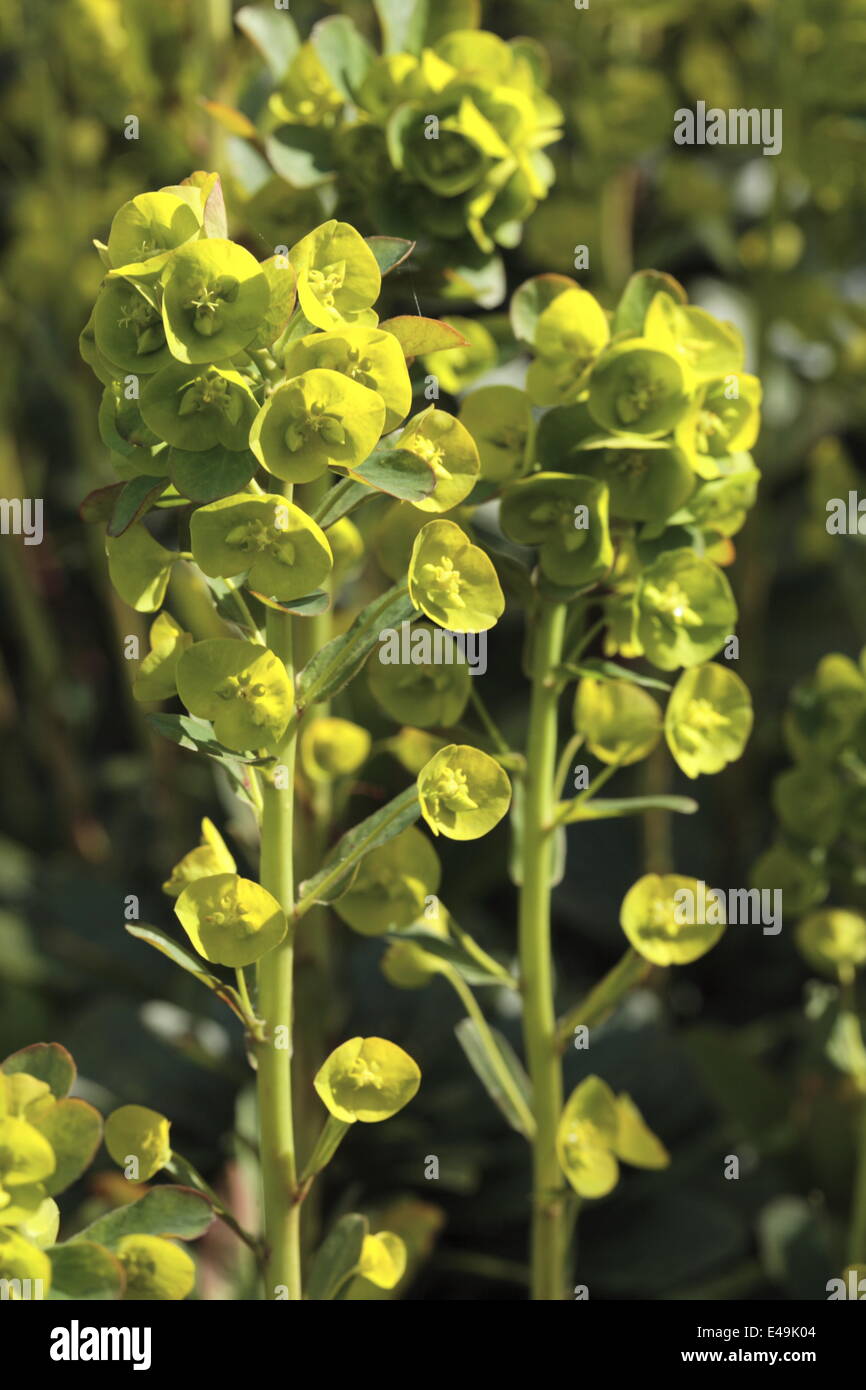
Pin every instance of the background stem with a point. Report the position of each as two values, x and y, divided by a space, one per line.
539 1019
275 970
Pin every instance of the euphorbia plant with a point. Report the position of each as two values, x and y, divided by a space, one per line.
219 371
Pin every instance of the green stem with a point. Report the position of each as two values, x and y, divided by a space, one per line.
857 1231
595 786
506 1080
275 975
536 968
628 972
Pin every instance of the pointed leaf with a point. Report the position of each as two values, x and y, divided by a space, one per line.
334 878
417 335
601 808
390 251
337 1257
472 1042
135 499
342 657
274 34
179 1213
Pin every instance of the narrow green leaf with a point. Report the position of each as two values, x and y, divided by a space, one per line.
185 959
473 969
198 736
471 1040
179 1213
99 505
340 659
134 501
595 667
310 606
610 809
339 501
334 878
337 1257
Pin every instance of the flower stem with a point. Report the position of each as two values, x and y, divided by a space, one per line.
536 969
275 972
857 1229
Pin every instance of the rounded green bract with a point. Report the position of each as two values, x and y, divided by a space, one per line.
156 1269
453 581
136 1132
708 719
449 451
833 941
637 388
230 920
282 551
426 690
315 420
621 722
665 917
463 792
367 1079
566 516
332 747
369 356
214 299
686 610
241 686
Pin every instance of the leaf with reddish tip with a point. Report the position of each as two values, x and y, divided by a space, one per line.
417 335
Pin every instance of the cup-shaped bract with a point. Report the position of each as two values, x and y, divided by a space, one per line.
338 276
128 330
719 505
198 407
635 1142
156 678
586 1136
332 747
149 225
833 940
798 872
143 1135
647 480
449 451
453 581
424 691
367 1079
566 516
708 719
638 388
670 919
686 610
314 420
210 857
812 804
570 333
282 550
407 964
705 346
214 299
230 920
156 1269
499 418
242 687
392 884
383 1259
621 722
370 356
725 419
22 1262
463 792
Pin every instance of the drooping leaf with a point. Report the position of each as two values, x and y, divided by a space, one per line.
184 958
477 1053
398 473
341 658
198 736
176 1212
596 666
376 830
135 499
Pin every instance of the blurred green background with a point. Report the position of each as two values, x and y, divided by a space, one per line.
721 1058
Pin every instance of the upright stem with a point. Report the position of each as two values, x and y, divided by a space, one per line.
857 1229
275 970
536 968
